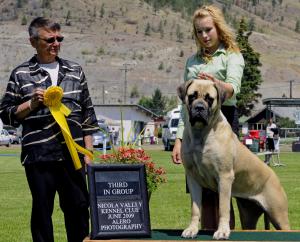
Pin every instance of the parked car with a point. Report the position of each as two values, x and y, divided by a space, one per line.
255 140
14 138
170 129
4 138
102 136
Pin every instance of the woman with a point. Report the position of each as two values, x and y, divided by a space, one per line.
218 59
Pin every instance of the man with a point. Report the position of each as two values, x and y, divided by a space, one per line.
270 139
48 164
270 134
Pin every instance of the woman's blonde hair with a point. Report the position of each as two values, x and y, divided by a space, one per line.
225 34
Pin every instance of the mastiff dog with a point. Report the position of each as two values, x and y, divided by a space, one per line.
214 158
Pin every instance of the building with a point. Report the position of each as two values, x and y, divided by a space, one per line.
275 107
287 107
258 120
133 118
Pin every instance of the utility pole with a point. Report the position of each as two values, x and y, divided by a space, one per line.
291 88
103 93
125 69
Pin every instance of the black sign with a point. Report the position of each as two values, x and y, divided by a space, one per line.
119 201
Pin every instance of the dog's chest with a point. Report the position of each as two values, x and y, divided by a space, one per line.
202 162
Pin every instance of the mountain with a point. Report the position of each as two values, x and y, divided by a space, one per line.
126 45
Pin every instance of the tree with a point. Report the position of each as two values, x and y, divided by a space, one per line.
181 54
286 123
24 20
155 7
148 29
227 4
251 24
179 34
161 29
171 102
68 17
134 92
251 79
19 3
102 11
274 3
146 102
180 5
297 28
94 14
46 4
156 103
161 66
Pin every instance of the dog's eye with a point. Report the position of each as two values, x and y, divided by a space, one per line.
192 97
209 100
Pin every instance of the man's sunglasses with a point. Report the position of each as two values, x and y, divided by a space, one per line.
52 39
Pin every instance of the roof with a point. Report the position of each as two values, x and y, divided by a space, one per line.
282 102
260 115
270 102
139 107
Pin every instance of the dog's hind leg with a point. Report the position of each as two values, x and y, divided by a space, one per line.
266 221
279 218
249 212
275 204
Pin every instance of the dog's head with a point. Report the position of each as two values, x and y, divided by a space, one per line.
203 99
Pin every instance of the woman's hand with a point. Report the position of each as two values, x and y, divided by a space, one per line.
226 86
176 154
206 76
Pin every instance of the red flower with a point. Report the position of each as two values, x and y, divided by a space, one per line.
129 155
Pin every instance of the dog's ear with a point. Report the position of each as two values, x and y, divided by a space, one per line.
181 90
221 93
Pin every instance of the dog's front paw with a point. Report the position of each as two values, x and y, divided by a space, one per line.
190 232
222 234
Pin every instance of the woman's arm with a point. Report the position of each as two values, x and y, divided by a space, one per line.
234 73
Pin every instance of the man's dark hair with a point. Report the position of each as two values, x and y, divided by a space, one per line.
41 22
275 130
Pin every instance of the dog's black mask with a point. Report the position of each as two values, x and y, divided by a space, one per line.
198 113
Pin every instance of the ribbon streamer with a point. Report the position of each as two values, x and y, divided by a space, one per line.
52 99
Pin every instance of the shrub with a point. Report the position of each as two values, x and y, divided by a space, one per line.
161 66
24 20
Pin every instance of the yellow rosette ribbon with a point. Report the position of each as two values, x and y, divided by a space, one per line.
52 99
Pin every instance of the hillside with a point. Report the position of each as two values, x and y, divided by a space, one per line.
104 36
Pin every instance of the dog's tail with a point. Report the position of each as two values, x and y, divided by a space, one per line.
266 221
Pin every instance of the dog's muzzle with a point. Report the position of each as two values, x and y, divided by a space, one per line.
199 113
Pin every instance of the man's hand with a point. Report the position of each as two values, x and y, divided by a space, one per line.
87 160
88 142
25 108
37 98
176 154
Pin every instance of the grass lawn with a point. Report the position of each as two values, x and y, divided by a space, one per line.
169 205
